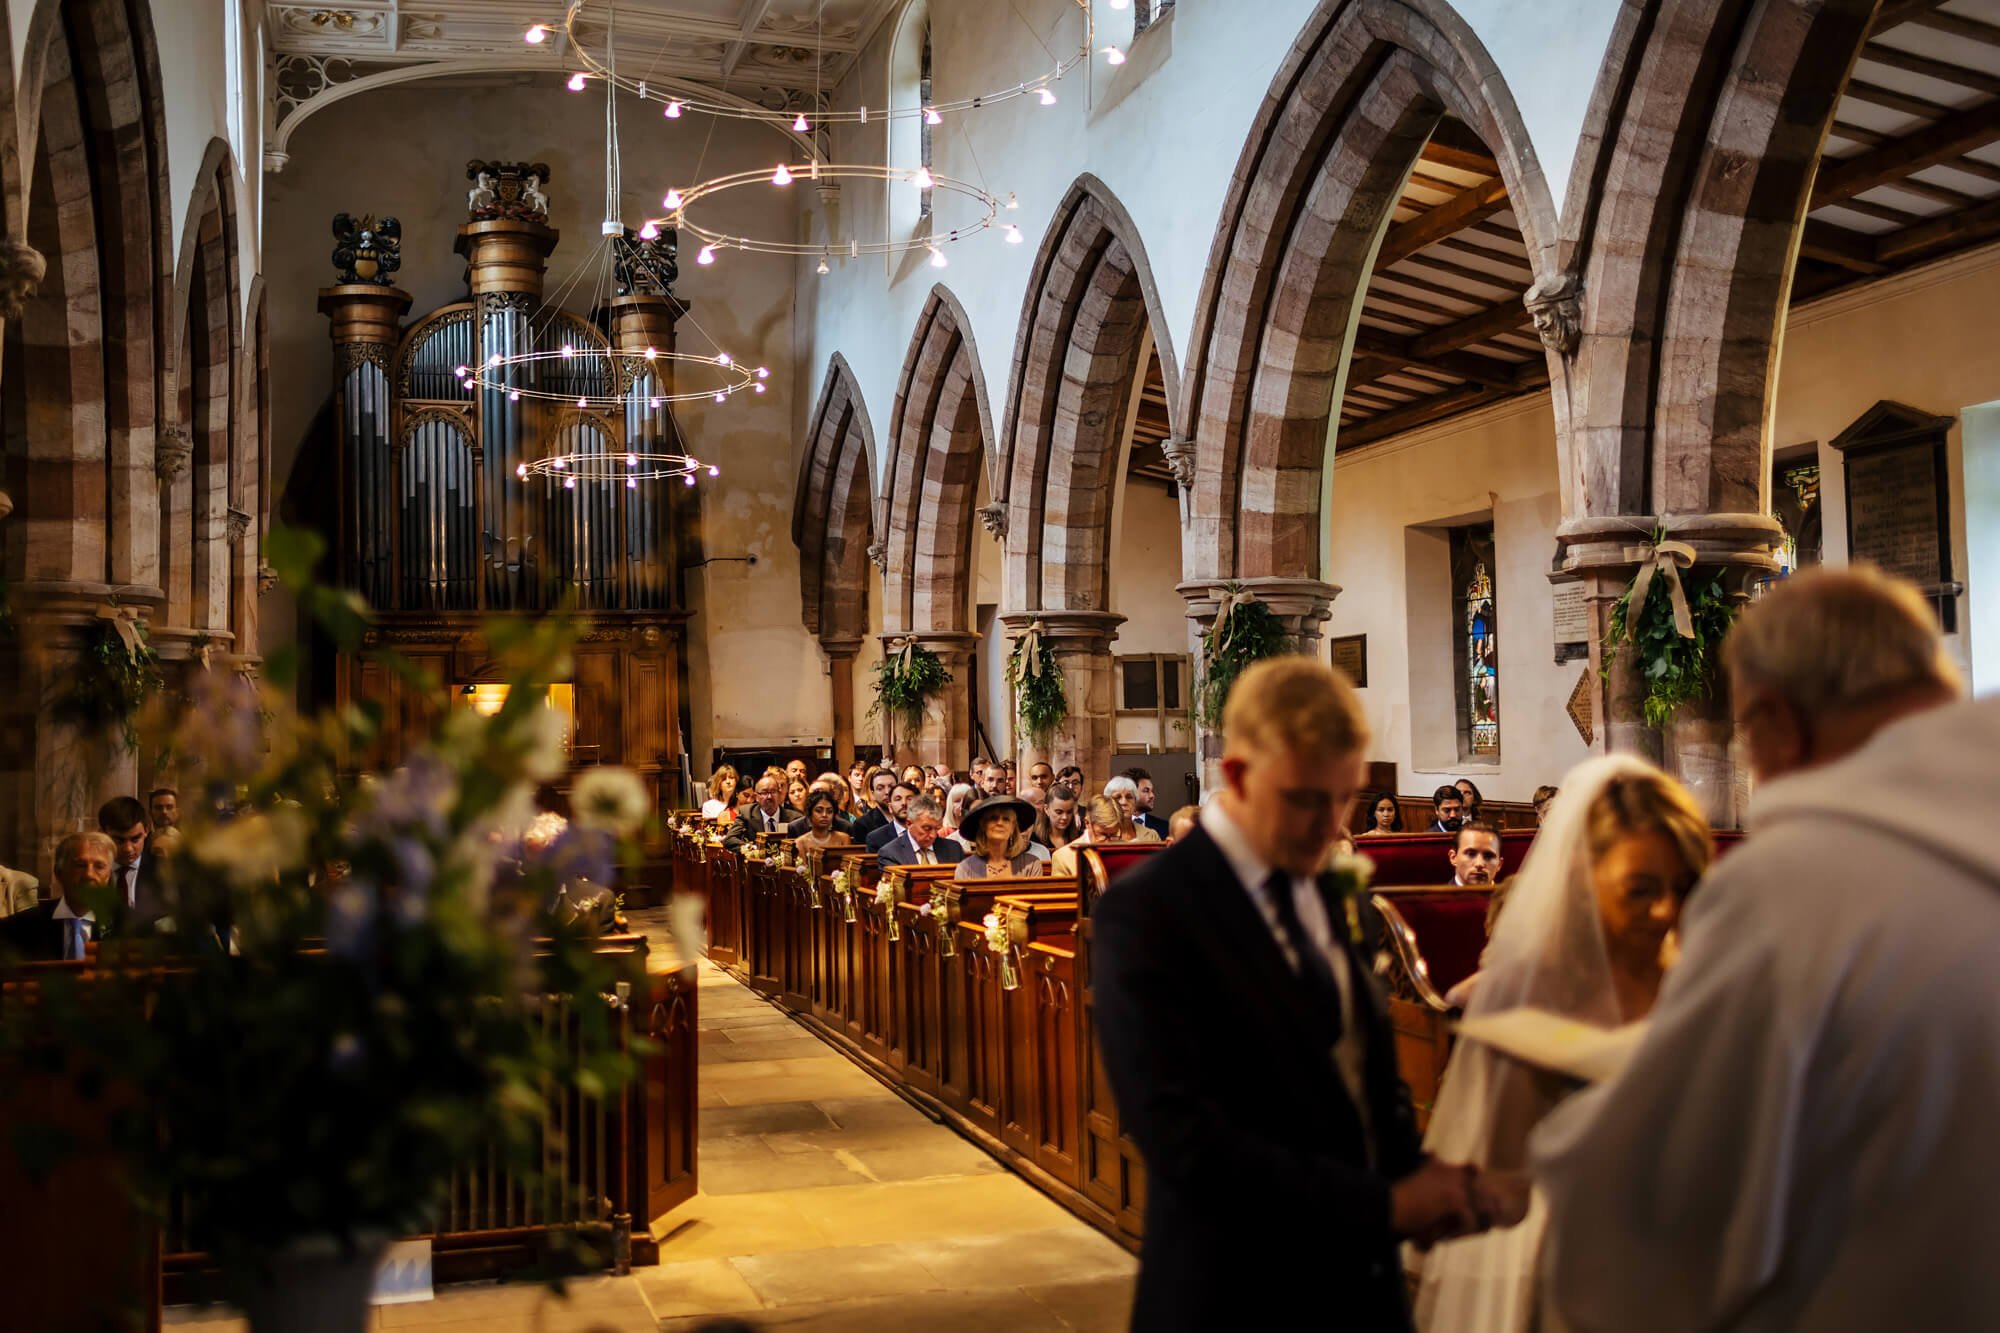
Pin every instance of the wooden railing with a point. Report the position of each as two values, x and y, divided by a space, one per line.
1000 1046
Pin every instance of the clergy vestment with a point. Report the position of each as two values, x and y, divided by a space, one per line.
1806 1137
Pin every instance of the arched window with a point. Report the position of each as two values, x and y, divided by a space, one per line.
924 124
1477 637
909 138
234 55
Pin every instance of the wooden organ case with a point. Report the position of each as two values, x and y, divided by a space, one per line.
436 529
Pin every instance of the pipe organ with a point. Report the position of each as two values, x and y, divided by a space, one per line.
436 529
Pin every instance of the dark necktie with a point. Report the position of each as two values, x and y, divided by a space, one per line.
1314 971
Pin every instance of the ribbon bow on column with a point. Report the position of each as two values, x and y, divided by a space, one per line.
122 619
1666 559
904 649
1225 623
1030 640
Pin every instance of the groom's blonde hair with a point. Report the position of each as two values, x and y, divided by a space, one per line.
1297 702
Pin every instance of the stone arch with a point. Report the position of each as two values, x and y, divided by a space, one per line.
1363 88
196 547
1091 300
832 523
941 435
1704 136
251 479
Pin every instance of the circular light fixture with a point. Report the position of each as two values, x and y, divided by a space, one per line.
629 468
519 377
989 206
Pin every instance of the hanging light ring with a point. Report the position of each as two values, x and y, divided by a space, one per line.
819 172
722 377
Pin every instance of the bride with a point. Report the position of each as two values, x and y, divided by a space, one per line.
1584 933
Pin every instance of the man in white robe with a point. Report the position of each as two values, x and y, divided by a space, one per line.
1806 1138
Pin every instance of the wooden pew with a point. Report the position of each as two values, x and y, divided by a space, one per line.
1419 858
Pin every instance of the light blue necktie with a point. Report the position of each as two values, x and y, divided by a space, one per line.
79 931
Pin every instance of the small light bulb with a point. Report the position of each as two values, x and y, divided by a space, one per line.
759 386
673 111
649 232
576 82
688 479
782 176
822 265
631 483
799 125
652 353
937 257
1013 234
558 462
763 372
931 117
568 351
521 471
1113 56
463 371
569 483
513 395
720 396
631 460
655 404
583 402
493 360
714 471
536 34
921 178
1012 202
1048 98
722 358
673 200
707 255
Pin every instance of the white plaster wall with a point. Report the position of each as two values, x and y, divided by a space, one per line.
1145 568
755 673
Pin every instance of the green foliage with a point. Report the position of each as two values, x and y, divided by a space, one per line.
1250 634
350 1000
111 683
1676 670
1039 699
902 690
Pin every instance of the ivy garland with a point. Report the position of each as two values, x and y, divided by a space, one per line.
905 681
1040 699
1676 670
1247 633
111 682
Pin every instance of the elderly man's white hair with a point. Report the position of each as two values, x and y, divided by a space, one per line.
1121 783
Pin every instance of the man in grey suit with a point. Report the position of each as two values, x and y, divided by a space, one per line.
769 815
920 844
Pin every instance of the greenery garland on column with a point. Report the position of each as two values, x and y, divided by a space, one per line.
1040 699
1245 631
907 679
1680 624
117 672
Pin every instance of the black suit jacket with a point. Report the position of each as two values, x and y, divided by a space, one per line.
902 852
1261 1202
749 825
882 835
1147 819
868 821
35 935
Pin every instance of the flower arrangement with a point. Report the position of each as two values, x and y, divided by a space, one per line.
885 898
346 1006
1000 943
1040 698
906 680
1245 631
117 673
1676 631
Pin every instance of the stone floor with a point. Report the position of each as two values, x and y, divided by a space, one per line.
827 1202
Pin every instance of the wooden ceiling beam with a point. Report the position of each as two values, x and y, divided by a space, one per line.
1502 318
1933 145
1943 71
1456 214
1420 413
1837 245
1895 13
1971 30
1956 230
1460 159
1907 103
1396 354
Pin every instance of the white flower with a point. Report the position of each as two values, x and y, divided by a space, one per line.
610 798
885 893
256 848
548 737
1352 865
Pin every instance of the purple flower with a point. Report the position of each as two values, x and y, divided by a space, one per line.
350 919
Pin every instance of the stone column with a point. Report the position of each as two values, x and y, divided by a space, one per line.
1697 746
945 735
1082 643
1302 606
22 269
840 655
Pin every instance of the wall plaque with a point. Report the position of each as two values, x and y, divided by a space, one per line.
1899 499
1581 710
1572 628
1350 654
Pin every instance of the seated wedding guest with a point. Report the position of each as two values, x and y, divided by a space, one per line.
1447 810
1144 816
1585 938
795 793
1125 793
163 806
821 830
18 891
956 802
996 830
1383 815
991 779
1069 775
746 801
1060 820
66 925
1474 857
895 816
1182 821
722 786
832 785
919 844
576 903
769 815
843 795
1804 1138
1282 1161
135 874
1102 822
795 771
914 776
1470 802
1041 776
857 784
1007 781
1543 795
881 782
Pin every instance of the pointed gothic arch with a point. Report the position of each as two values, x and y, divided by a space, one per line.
1362 90
941 436
832 512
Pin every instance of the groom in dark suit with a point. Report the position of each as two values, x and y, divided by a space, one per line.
1249 1052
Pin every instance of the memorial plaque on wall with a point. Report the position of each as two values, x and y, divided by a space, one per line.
1898 500
1572 627
1350 654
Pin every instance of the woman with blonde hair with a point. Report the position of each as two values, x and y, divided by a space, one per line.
1103 822
997 832
1586 935
956 803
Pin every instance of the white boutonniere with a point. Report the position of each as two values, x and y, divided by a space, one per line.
1350 876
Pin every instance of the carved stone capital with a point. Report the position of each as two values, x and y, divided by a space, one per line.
239 525
1180 459
21 271
878 555
1555 302
171 451
267 578
994 516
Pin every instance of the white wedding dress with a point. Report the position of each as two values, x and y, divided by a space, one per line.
1548 952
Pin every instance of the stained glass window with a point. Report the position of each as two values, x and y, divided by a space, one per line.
923 122
1477 635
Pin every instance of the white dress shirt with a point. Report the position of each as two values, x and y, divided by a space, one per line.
128 882
1350 1052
